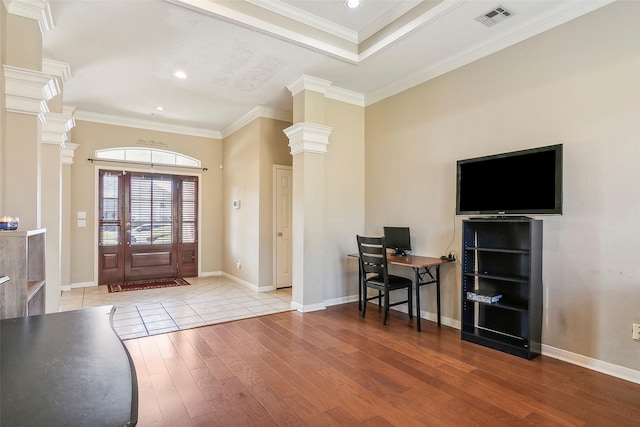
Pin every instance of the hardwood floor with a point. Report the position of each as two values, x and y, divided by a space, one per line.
332 367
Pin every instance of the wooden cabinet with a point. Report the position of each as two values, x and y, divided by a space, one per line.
502 258
22 260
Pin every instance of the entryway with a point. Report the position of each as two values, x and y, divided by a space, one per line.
148 226
208 300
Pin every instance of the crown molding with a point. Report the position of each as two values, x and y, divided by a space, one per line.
554 17
306 82
68 153
58 69
306 18
387 19
345 95
33 9
307 137
27 91
294 31
326 88
427 14
89 116
257 112
308 30
55 128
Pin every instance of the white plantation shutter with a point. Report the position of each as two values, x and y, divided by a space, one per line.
151 205
110 221
188 209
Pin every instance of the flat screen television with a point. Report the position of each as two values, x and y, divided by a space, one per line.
518 183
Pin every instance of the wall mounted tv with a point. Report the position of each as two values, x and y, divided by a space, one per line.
519 183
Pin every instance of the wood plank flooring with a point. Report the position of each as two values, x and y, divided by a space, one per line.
331 367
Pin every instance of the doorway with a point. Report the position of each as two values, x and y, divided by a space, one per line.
147 226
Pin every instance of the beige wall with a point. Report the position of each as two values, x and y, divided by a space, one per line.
241 182
249 155
274 150
576 85
93 136
25 49
344 198
21 131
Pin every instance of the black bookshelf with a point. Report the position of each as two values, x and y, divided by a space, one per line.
503 256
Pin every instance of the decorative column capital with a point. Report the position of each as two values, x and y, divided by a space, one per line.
309 83
55 128
68 152
60 70
27 91
308 138
33 9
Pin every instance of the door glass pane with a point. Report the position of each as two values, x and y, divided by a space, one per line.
109 235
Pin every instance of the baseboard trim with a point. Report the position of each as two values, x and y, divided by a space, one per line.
341 300
210 274
427 315
83 285
308 308
592 364
242 282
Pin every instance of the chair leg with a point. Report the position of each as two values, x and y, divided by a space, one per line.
386 307
364 301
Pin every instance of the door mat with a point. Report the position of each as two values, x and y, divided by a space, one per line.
146 284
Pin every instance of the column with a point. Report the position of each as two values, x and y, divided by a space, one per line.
26 94
68 217
308 140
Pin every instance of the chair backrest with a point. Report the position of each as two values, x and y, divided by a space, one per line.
373 256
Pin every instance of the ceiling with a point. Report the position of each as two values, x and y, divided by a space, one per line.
240 56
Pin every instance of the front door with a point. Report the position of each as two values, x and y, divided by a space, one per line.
148 226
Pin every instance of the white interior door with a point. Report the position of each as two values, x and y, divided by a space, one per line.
282 225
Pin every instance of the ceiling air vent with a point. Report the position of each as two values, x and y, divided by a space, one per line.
494 16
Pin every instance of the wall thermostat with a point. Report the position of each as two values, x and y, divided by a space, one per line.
236 204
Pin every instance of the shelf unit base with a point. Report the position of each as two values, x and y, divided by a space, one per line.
498 342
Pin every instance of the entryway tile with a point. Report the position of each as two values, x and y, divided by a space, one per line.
206 301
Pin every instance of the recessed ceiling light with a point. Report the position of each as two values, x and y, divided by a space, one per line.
180 74
159 108
352 4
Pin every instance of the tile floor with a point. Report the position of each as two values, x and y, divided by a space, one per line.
206 301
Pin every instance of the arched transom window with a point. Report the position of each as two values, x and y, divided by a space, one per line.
152 156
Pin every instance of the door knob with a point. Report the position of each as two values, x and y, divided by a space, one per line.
279 233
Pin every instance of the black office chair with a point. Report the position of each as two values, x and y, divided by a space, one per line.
374 274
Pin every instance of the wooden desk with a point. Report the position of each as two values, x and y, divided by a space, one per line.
426 271
66 369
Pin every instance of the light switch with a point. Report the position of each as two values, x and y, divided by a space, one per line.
82 223
82 215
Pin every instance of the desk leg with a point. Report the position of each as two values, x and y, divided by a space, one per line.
359 287
417 285
438 291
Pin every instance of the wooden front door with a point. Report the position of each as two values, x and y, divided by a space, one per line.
148 226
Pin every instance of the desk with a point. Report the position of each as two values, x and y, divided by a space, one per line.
66 369
423 275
